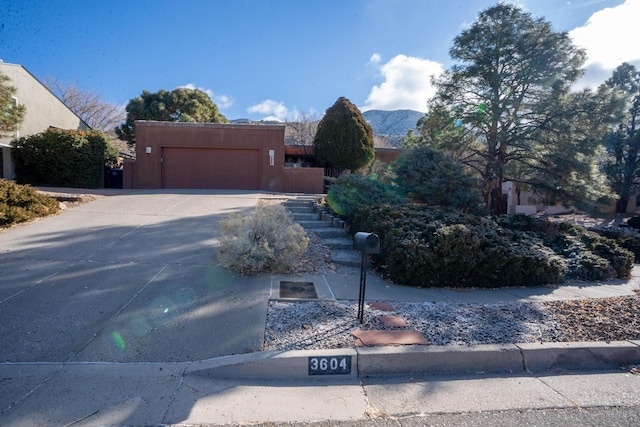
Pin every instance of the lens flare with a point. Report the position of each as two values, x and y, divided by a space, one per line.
217 278
118 340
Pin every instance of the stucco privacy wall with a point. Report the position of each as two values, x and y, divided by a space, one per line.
257 153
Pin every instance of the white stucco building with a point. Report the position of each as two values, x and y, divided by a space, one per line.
44 110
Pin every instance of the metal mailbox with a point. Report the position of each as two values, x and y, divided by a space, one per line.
367 243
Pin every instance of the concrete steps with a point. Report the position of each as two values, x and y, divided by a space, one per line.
305 211
331 232
339 242
347 257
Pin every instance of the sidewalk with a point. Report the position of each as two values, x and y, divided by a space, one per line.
171 394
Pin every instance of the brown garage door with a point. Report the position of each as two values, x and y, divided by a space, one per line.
211 168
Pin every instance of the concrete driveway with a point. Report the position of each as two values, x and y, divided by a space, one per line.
128 277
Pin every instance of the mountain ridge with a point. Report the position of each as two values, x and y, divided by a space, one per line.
391 125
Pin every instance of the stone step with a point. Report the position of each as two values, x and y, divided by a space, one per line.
308 197
300 209
339 242
296 203
350 258
298 217
330 232
317 224
299 202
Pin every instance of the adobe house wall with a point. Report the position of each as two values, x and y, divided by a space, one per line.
152 136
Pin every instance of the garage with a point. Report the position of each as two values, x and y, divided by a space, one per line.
215 168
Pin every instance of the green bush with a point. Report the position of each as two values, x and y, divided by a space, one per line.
354 190
63 158
20 203
634 222
263 240
431 247
591 256
626 241
433 178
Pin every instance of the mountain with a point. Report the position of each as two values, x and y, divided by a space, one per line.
389 127
392 123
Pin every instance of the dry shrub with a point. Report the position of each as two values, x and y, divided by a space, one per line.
262 240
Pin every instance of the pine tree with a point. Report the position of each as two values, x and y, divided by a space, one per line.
344 139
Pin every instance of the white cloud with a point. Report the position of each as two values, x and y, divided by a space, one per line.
610 38
272 110
406 85
222 101
375 58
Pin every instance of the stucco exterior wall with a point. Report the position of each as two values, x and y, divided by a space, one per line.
304 180
152 137
44 110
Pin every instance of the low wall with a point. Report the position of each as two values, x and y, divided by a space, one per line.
303 180
127 173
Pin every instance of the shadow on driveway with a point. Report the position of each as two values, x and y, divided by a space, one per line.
128 278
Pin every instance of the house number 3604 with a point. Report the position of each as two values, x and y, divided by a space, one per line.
336 365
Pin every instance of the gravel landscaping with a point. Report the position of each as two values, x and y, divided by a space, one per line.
328 324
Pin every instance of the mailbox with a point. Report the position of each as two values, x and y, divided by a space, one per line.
367 243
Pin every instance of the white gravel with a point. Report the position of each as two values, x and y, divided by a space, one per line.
328 325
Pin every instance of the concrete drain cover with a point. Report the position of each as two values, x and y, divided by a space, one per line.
299 290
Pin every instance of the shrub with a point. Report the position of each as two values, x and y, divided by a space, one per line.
432 177
626 241
63 158
20 203
634 222
263 240
475 252
353 191
426 246
590 256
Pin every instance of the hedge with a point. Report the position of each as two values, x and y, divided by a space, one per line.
63 158
431 247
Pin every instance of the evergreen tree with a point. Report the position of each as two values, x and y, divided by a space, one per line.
432 177
623 143
344 139
498 99
11 115
179 105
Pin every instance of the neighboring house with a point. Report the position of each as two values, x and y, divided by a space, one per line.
302 155
44 110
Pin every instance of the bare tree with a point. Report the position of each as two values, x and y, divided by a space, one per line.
301 131
89 106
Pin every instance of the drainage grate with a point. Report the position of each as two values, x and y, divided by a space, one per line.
300 290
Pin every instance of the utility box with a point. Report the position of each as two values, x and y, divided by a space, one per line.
366 243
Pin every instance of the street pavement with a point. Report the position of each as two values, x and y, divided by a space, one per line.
116 313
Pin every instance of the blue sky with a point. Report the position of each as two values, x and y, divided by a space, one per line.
275 58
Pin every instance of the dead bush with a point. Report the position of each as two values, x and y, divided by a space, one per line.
262 240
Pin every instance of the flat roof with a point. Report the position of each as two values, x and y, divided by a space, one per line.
209 125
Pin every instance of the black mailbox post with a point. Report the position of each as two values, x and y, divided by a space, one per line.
366 243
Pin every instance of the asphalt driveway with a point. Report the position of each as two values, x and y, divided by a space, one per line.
129 277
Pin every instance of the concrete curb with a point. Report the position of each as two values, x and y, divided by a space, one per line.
586 355
369 361
273 365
